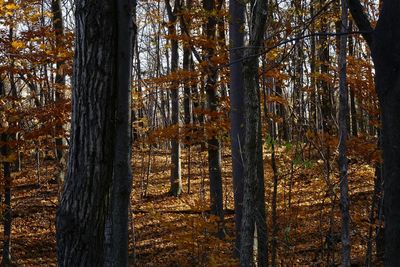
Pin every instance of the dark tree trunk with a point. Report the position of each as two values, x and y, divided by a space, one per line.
100 96
343 133
176 179
122 176
383 42
353 110
326 105
7 217
313 69
186 64
214 149
252 216
236 38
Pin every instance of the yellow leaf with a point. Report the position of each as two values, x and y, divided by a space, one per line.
17 44
10 158
11 6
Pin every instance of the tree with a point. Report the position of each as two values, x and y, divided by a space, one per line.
214 147
343 133
383 42
176 179
58 25
122 175
236 39
253 187
99 160
5 153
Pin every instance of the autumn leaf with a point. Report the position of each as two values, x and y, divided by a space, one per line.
17 44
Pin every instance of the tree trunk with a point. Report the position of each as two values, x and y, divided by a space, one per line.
7 219
383 42
176 179
251 212
326 105
214 149
101 78
343 133
122 176
186 64
58 27
236 38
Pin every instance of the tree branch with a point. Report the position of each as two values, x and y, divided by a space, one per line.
361 20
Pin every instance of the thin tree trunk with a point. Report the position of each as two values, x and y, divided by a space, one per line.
252 143
186 64
343 132
176 179
236 38
214 149
58 27
326 107
7 219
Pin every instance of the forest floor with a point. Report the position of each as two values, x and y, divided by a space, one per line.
169 231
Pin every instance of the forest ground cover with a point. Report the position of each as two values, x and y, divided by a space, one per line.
169 231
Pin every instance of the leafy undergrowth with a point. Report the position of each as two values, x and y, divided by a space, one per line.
169 231
173 231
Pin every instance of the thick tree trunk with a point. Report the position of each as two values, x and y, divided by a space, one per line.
385 52
383 42
236 38
84 205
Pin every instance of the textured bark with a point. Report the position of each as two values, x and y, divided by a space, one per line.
176 179
343 133
383 42
236 39
122 175
251 214
214 149
98 80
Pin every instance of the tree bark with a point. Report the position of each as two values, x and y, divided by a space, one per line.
100 96
383 42
343 133
253 145
214 149
236 39
176 179
122 175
